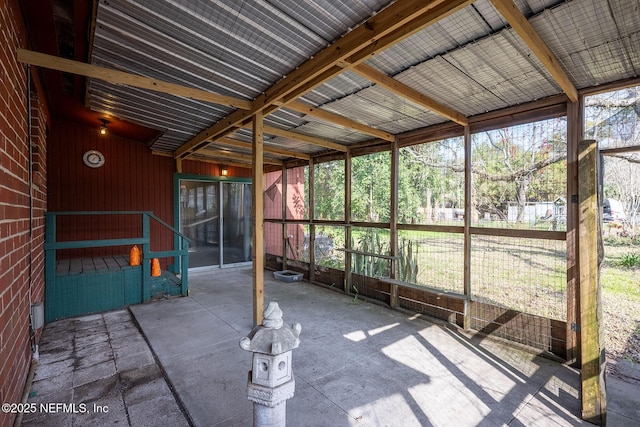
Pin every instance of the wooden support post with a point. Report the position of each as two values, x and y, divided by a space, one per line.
312 228
468 214
285 233
574 135
258 219
393 220
590 326
179 165
348 279
393 295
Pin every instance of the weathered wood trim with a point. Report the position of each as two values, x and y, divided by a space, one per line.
574 135
591 329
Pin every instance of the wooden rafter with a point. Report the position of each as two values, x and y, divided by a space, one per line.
271 130
128 79
220 154
396 22
327 116
405 91
267 149
528 34
429 17
225 162
320 142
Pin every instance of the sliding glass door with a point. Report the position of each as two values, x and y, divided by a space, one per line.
236 222
216 216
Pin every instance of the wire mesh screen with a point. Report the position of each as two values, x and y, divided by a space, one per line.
298 193
328 242
367 243
371 187
613 118
273 238
432 259
329 190
431 183
273 195
297 236
528 275
519 176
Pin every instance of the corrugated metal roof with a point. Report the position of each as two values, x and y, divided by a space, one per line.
470 61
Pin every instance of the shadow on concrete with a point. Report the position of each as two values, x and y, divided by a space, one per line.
357 364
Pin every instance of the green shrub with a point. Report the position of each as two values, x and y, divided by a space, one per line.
630 259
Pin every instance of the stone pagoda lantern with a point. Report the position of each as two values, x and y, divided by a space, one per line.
271 382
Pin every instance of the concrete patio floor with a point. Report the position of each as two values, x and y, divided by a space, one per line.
358 364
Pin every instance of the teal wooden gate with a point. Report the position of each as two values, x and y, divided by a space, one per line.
83 286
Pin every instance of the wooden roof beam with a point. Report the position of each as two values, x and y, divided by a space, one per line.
337 119
429 17
305 138
221 154
121 78
396 22
271 130
267 149
528 34
412 95
224 162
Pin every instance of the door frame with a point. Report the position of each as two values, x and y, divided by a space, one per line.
177 177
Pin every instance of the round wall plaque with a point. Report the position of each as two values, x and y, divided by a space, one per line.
93 158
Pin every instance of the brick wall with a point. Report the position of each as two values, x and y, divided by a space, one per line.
21 241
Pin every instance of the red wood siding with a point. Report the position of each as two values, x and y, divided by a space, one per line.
132 179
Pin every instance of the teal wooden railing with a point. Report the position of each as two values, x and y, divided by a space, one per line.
180 253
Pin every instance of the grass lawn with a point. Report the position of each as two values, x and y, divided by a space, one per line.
524 274
620 280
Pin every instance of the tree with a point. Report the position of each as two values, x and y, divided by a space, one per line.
329 190
371 187
517 164
513 164
431 177
613 119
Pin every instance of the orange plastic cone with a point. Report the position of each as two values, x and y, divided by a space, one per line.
155 267
134 256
